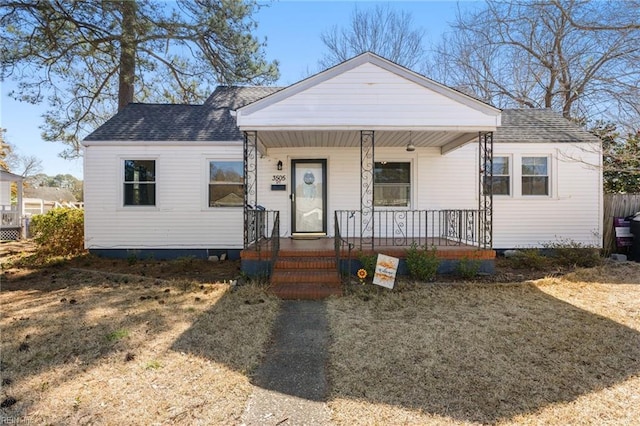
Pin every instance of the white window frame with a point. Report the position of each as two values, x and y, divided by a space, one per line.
412 180
207 173
122 182
509 175
548 176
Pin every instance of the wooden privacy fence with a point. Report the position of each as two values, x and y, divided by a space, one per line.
616 205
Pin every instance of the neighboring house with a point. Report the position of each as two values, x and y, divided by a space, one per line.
10 214
367 151
44 198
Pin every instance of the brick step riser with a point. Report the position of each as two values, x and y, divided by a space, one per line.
297 281
305 264
303 254
308 275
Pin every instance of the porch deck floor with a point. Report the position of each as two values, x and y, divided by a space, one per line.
325 245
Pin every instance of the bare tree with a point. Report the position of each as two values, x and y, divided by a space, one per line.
595 17
534 54
381 30
23 165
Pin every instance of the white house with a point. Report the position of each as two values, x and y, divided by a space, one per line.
366 156
10 211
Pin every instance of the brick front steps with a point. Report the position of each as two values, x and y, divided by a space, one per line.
305 275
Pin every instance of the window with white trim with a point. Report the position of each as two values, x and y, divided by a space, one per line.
501 180
392 184
226 184
535 176
139 182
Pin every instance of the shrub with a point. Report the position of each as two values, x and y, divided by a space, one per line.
59 232
529 259
422 263
368 262
572 253
467 268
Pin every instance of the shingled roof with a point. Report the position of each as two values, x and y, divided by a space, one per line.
212 121
539 126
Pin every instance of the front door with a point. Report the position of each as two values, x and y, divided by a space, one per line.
309 197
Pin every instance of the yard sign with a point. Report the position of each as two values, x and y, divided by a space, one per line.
386 268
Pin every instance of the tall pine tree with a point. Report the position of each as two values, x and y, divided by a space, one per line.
87 59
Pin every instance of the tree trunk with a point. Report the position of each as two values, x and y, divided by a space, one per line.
127 53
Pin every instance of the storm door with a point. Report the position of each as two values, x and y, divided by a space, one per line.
309 197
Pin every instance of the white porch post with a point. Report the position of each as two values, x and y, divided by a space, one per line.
20 209
367 163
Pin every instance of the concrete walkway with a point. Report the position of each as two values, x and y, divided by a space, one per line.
291 384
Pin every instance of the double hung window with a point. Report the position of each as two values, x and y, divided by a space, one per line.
392 184
226 184
139 182
535 176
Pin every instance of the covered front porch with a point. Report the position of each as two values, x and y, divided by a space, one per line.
311 265
368 157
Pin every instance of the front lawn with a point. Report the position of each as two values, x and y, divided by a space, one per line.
94 341
563 350
98 341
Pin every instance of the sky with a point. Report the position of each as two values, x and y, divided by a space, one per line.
292 30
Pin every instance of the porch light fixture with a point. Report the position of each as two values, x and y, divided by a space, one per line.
279 165
410 146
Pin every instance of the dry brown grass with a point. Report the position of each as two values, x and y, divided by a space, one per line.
95 348
554 351
559 350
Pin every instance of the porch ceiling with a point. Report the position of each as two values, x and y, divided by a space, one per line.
446 140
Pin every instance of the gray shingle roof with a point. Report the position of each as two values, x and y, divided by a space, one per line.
539 126
49 193
212 121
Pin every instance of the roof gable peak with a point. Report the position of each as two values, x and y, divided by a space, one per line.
379 61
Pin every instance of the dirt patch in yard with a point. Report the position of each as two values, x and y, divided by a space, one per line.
98 341
23 268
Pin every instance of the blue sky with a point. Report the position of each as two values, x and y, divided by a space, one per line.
292 29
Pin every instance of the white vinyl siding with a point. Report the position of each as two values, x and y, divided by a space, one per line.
182 218
572 211
366 97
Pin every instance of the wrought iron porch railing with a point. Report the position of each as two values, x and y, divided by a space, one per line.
263 230
341 244
402 228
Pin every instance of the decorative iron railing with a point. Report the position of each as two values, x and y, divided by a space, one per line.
402 228
341 244
263 231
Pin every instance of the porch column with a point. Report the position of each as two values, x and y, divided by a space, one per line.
20 209
485 190
367 163
250 181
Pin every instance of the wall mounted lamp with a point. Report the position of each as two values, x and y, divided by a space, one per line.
279 165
